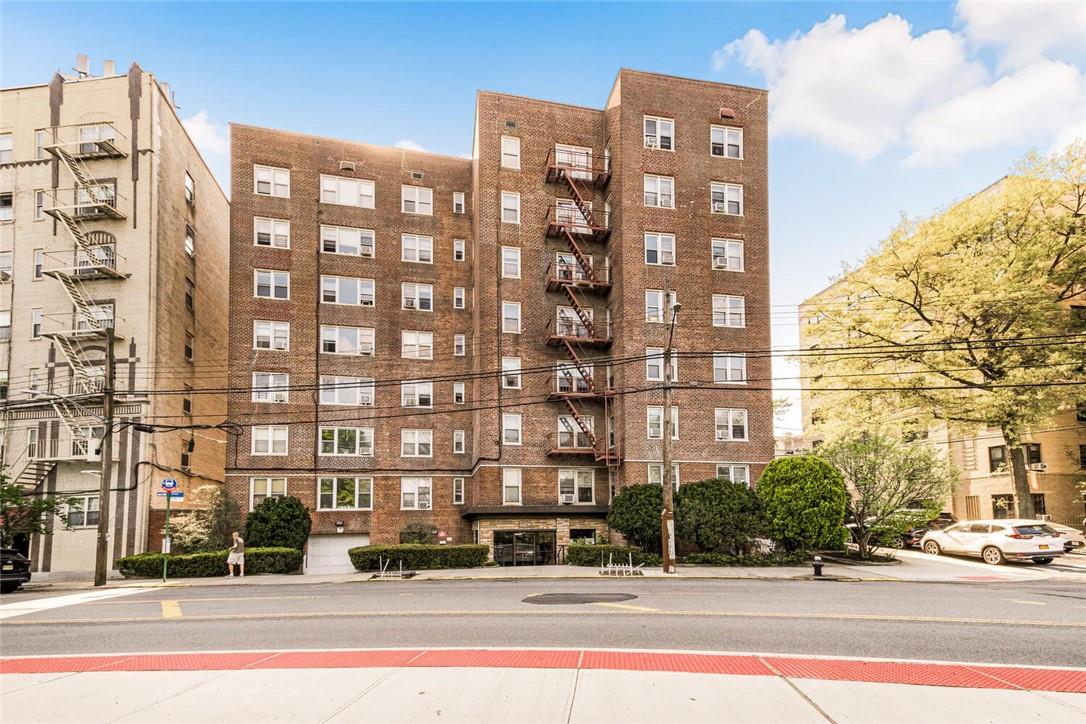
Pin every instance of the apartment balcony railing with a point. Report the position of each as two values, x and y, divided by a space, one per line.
87 141
80 324
68 447
93 262
562 330
561 273
84 203
565 219
577 167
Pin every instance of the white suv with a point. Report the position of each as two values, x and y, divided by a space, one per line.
996 541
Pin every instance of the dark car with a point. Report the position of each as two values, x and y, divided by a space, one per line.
14 569
943 520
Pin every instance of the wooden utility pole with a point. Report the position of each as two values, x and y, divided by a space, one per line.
101 558
667 517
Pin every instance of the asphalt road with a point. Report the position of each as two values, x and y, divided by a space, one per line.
1035 622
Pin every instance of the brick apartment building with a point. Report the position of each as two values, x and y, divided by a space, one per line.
476 344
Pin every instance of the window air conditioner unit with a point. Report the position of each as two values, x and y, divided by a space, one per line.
567 498
667 257
424 506
367 303
1038 467
365 348
365 400
651 142
719 207
720 262
409 304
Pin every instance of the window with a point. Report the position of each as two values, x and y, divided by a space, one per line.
726 199
659 248
345 494
1032 453
654 304
511 486
570 324
417 296
659 133
458 442
6 152
347 191
416 345
347 340
416 394
728 255
571 378
190 189
1082 456
729 367
659 191
577 158
269 232
997 459
341 390
459 250
1039 507
83 511
415 493
458 393
458 297
729 311
271 335
36 317
734 472
459 345
346 441
269 181
347 240
726 142
458 491
655 475
511 317
510 207
511 428
190 241
270 387
269 284
260 488
510 262
190 295
270 440
570 433
1002 506
190 345
186 402
417 248
39 205
41 140
417 200
511 373
655 422
416 443
576 486
654 364
5 266
458 202
731 424
511 152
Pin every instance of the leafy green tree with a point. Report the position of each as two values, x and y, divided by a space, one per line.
278 522
420 533
718 516
208 527
635 513
804 499
23 512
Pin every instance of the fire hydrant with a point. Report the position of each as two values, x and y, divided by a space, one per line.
817 563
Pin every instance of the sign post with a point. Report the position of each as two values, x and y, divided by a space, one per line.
169 486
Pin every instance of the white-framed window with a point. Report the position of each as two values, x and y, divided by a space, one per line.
271 387
347 191
729 368
415 493
511 373
42 138
271 335
458 442
510 207
190 189
458 202
348 290
734 472
654 417
39 260
577 158
459 393
654 305
274 233
731 423
417 200
345 493
659 249
571 378
346 390
511 317
510 262
417 394
348 240
271 284
655 474
459 250
570 434
347 340
458 491
416 345
726 142
511 486
269 439
511 152
419 297
460 345
577 485
729 310
39 205
271 181
260 488
726 199
570 324
346 441
654 364
660 133
416 443
416 248
511 428
37 318
728 254
458 297
190 241
83 511
659 191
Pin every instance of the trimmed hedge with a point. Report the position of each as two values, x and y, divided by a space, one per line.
765 559
583 554
418 556
206 565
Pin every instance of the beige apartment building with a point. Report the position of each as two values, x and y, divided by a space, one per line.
112 230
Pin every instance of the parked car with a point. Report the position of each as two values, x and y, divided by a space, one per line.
14 569
943 520
879 538
1073 538
996 541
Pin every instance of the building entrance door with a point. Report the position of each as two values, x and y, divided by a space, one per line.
524 547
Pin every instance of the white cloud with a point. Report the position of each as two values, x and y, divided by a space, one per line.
212 140
1024 32
408 145
852 89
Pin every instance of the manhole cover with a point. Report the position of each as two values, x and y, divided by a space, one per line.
568 599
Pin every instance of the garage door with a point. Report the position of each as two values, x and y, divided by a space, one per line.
328 553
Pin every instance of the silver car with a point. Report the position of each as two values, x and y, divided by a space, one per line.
996 541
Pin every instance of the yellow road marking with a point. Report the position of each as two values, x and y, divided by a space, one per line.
627 607
215 598
1027 603
171 609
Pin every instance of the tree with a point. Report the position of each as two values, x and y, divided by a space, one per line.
635 513
207 528
804 499
423 533
718 516
893 485
278 522
23 512
965 316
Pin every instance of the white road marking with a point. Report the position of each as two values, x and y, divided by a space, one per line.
1027 603
23 607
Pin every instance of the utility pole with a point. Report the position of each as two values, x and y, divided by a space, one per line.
101 558
667 517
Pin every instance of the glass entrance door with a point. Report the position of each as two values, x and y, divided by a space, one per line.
525 547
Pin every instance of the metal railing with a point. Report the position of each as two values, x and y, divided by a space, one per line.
96 201
88 140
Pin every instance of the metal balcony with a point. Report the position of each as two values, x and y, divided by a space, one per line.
573 331
565 219
570 167
94 262
84 203
571 274
86 141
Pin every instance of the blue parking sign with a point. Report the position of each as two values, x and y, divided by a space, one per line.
169 484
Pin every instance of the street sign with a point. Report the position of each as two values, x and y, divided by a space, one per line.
165 545
171 494
169 484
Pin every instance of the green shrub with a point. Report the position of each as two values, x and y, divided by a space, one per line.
718 515
804 498
208 564
424 533
635 513
278 522
583 554
797 558
418 556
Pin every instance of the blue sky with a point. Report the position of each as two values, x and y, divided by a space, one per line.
878 109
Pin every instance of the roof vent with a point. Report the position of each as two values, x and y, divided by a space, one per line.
510 124
108 68
346 166
82 65
417 175
727 113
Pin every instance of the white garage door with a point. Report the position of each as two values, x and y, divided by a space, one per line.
328 553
